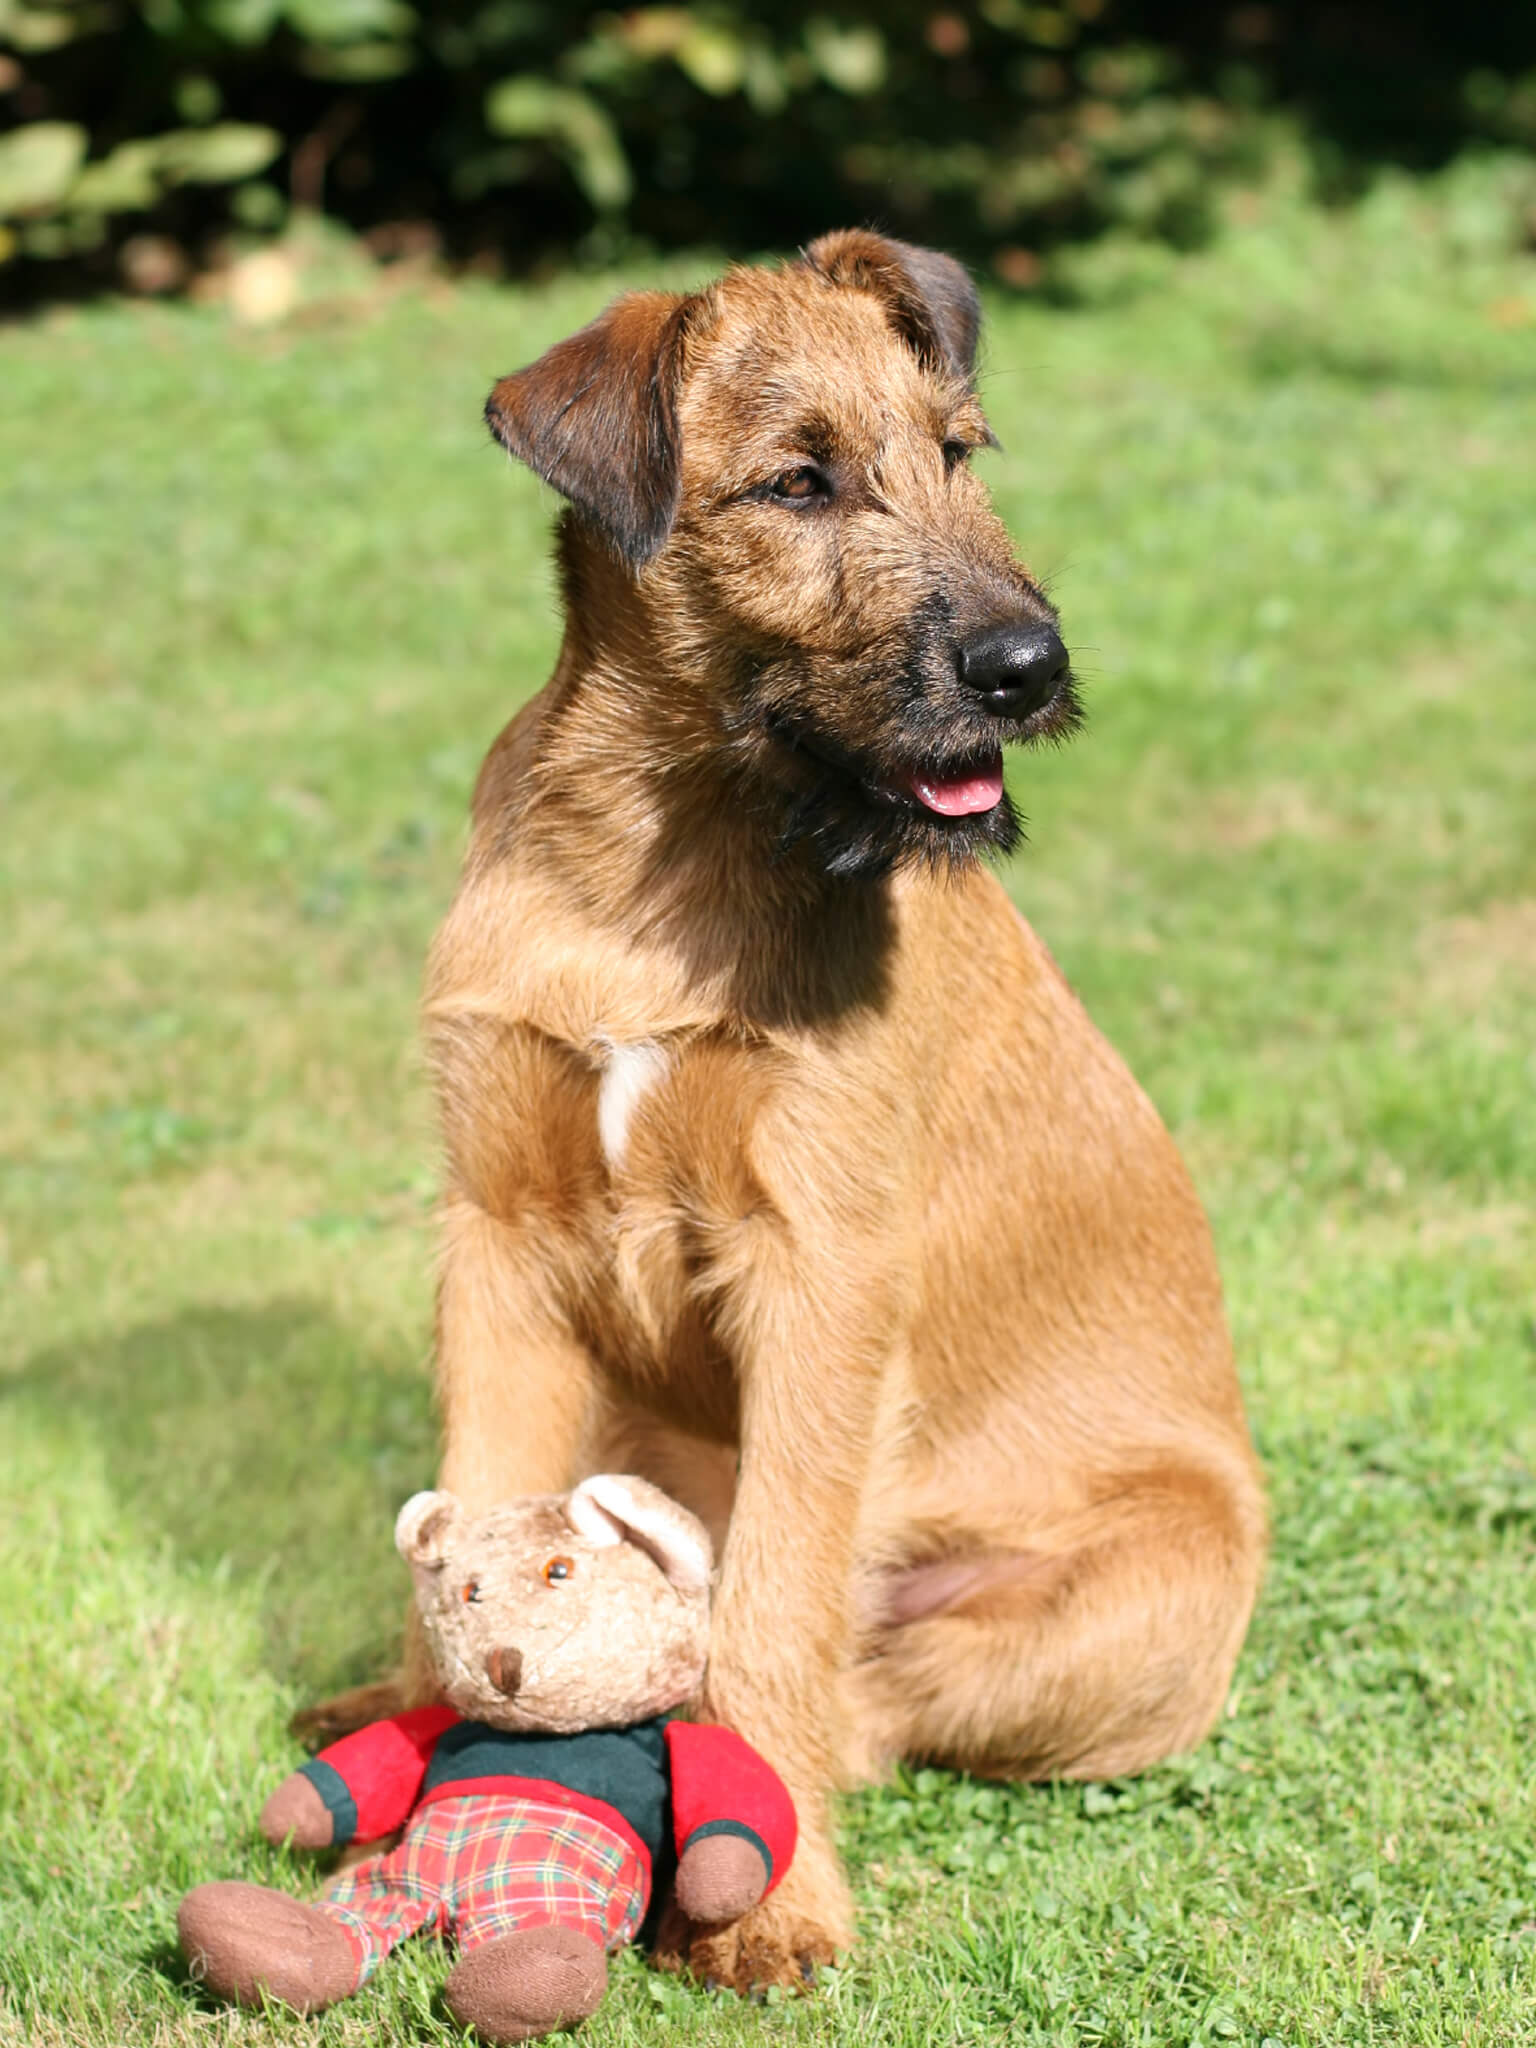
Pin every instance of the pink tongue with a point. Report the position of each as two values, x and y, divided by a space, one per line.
963 795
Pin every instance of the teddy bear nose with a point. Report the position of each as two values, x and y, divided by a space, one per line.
504 1668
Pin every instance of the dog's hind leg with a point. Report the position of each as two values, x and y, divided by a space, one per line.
1105 1646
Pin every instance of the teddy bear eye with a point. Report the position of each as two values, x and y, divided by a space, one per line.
557 1568
471 1593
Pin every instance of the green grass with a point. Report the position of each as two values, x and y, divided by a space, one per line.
264 599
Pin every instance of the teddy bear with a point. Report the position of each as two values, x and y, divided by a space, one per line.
546 1796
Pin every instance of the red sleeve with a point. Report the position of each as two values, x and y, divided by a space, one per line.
370 1781
721 1786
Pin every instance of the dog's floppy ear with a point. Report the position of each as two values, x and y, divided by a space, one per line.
931 297
597 417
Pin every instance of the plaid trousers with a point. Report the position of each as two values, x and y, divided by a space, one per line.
480 1866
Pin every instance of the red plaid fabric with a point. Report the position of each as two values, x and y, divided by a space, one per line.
479 1866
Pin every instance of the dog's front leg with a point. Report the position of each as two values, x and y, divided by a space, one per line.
514 1384
811 1346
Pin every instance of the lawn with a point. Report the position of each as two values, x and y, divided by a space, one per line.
264 599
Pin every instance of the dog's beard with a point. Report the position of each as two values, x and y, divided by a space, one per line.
864 835
854 810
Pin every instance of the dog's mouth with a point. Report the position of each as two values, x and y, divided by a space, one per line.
964 793
966 788
929 791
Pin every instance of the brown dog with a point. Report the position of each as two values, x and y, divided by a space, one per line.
783 1166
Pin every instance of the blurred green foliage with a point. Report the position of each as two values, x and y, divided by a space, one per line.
525 129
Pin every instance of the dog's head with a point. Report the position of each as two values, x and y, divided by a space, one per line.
781 465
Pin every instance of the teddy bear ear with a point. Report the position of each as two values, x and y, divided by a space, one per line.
423 1527
613 1508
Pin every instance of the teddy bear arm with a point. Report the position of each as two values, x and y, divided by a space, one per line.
296 1813
723 1790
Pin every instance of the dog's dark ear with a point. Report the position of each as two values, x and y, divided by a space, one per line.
597 418
931 297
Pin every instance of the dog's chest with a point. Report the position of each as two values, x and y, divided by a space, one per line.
672 1113
628 1072
671 1116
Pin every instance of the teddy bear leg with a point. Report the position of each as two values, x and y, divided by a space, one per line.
243 1940
527 1983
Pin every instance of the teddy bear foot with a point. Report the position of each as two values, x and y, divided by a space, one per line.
243 1940
527 1983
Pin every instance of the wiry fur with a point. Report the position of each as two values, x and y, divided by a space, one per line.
893 1227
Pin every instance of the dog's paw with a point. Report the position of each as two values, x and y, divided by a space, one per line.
750 1956
345 1712
783 1941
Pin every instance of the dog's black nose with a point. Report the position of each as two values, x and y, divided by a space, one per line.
1016 668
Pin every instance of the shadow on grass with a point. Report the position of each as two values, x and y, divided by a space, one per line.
264 1443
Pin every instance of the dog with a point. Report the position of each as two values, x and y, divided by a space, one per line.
782 1165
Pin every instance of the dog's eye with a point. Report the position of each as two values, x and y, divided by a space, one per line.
800 486
955 453
471 1593
556 1568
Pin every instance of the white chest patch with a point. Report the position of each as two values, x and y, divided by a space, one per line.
629 1073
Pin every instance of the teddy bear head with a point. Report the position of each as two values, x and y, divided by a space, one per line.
562 1612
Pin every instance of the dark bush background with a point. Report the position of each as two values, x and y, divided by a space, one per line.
515 132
